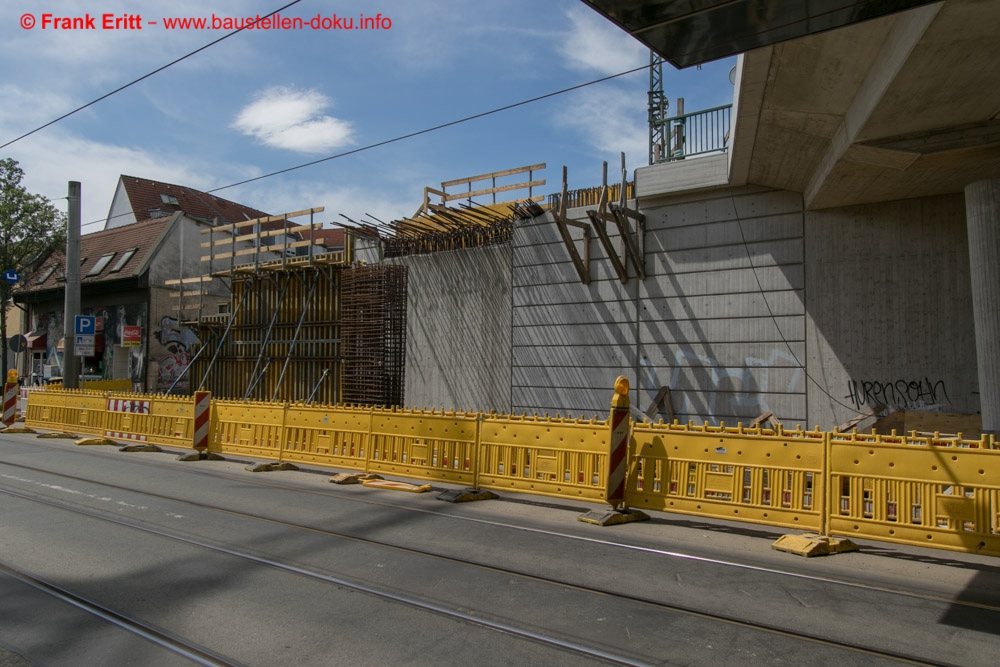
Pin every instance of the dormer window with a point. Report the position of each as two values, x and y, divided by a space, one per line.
101 264
123 260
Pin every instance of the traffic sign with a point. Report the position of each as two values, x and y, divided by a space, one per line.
86 325
11 276
84 350
17 343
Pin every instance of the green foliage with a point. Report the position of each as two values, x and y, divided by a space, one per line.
30 228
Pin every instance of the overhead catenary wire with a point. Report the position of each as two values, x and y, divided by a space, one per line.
142 78
411 135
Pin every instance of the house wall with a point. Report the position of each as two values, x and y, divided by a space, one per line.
115 310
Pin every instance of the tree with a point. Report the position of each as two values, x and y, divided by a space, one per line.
30 228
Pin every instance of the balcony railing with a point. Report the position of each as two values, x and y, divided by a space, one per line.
695 133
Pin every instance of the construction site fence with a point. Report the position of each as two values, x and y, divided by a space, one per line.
927 490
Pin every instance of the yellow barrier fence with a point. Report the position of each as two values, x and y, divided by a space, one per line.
762 476
553 457
931 492
250 429
427 445
334 436
75 411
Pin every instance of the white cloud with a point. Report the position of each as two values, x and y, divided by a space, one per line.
594 43
293 119
611 119
53 157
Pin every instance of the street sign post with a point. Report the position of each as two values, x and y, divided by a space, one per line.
85 327
11 276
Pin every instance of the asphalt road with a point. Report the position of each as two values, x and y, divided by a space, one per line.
284 568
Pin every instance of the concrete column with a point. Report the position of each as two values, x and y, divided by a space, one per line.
982 213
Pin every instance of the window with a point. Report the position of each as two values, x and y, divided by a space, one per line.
223 309
45 274
101 264
62 276
120 264
168 199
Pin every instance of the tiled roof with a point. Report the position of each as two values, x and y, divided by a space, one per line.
144 198
331 238
141 235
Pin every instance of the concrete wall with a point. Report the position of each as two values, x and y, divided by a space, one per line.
723 310
890 309
697 323
839 309
458 333
570 341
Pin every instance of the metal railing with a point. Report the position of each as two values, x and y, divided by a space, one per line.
695 133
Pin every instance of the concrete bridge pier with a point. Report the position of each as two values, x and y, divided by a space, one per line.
982 211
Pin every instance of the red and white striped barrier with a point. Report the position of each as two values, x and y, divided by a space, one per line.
618 461
10 395
121 435
202 415
128 405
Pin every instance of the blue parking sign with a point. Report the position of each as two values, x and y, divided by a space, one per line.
86 325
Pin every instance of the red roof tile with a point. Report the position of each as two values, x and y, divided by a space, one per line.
141 235
331 238
144 197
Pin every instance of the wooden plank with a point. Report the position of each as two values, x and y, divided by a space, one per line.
495 174
273 218
602 234
265 249
500 188
273 232
187 281
661 403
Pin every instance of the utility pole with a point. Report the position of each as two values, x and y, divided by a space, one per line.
71 365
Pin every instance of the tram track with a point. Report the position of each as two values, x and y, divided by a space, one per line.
169 641
668 553
463 616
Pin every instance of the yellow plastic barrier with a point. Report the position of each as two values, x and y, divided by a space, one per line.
928 495
251 429
158 419
427 445
70 410
761 476
932 491
327 435
565 458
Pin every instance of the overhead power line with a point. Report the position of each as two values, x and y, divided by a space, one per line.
417 133
432 129
141 78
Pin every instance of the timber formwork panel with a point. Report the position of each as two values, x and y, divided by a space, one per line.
283 342
373 301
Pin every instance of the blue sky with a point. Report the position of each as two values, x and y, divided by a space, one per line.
264 101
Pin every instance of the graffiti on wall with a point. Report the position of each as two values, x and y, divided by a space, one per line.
178 342
900 394
113 361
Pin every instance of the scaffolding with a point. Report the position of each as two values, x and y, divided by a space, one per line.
286 336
